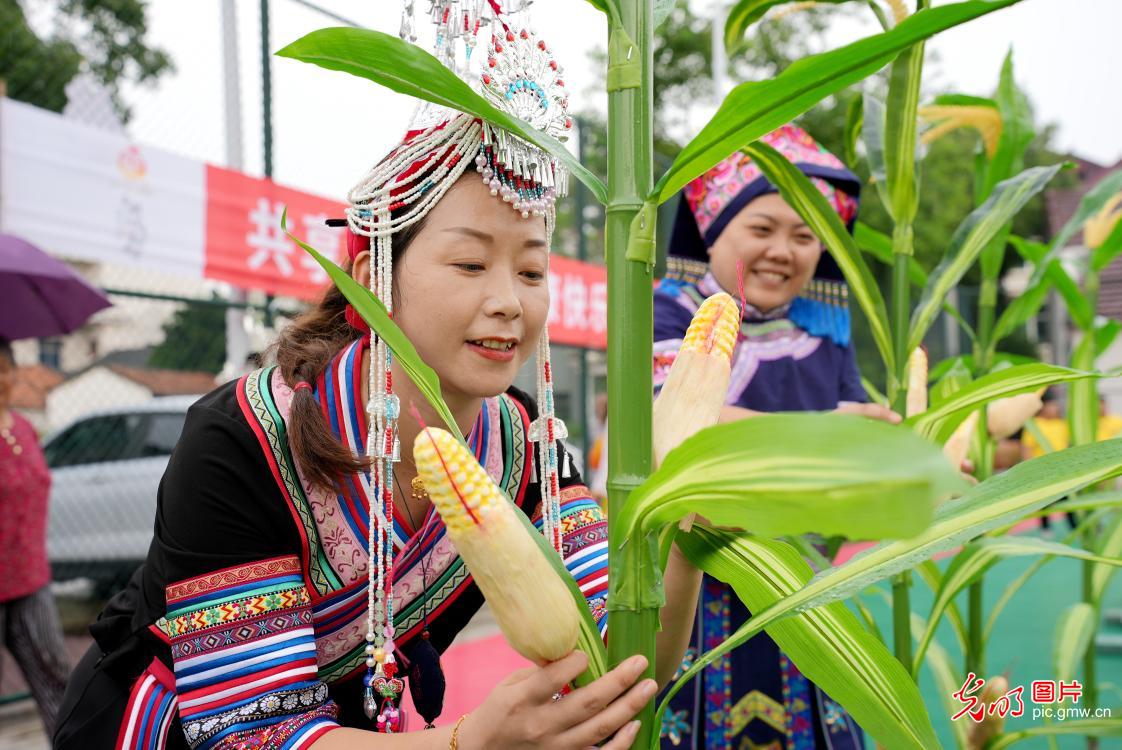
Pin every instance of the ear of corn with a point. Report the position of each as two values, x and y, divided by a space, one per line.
535 611
917 383
695 390
958 444
1007 415
992 724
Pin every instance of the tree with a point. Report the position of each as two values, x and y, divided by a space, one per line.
194 339
105 38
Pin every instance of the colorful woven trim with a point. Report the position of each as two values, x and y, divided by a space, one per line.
150 710
244 651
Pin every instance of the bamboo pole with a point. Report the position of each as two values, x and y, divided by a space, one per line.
631 627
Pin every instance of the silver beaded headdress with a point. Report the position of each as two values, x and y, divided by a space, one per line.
520 76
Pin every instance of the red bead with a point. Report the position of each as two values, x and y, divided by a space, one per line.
553 64
560 82
491 62
525 34
541 45
486 80
498 47
510 36
568 122
390 669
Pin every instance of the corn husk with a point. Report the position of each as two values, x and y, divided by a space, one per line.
917 383
991 725
533 607
1007 415
957 446
695 390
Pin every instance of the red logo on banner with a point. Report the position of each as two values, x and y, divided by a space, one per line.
244 242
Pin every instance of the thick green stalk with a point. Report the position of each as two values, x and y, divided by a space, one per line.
1081 436
898 395
630 321
975 656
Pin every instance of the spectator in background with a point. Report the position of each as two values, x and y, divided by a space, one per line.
29 625
598 454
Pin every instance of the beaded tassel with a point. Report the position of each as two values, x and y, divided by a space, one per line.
382 688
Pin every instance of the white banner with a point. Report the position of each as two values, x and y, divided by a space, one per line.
86 194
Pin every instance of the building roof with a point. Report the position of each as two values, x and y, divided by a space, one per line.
167 382
32 384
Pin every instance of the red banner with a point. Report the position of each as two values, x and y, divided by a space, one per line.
246 247
578 307
244 242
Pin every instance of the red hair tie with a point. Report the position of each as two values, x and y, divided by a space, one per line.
302 385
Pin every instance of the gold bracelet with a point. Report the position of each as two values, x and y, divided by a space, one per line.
455 733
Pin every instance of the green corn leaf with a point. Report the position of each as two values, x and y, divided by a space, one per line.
872 134
968 241
1083 401
1056 277
781 474
1074 630
996 502
1106 253
1090 205
661 11
755 108
940 369
854 115
827 644
1067 727
745 13
610 8
939 421
900 123
1105 334
953 379
1085 501
797 189
371 309
408 69
946 680
930 574
1019 582
963 100
1109 545
1016 129
867 618
969 565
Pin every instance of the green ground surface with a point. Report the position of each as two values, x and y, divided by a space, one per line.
1021 645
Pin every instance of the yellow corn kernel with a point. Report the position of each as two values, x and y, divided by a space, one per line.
532 605
714 327
917 383
695 390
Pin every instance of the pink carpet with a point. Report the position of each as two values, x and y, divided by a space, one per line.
472 669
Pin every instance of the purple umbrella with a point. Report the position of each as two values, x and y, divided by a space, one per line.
40 296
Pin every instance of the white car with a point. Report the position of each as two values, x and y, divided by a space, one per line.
105 471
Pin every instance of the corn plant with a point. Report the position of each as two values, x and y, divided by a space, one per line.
767 476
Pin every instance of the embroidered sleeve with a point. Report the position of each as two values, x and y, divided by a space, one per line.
244 652
584 547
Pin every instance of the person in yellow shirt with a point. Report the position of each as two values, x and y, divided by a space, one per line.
1052 426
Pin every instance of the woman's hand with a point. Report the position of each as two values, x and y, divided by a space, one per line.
521 712
872 411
